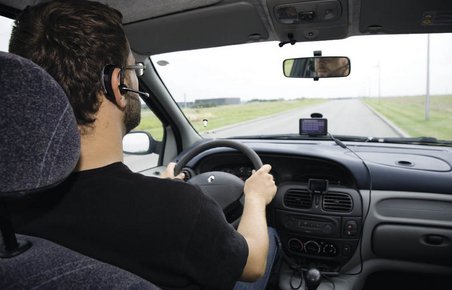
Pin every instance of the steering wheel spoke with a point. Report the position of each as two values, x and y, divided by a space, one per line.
225 188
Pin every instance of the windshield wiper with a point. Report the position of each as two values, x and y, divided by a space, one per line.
411 140
283 137
396 140
305 137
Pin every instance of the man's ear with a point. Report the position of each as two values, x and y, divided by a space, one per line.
115 82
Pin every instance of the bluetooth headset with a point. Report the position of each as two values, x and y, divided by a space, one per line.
107 73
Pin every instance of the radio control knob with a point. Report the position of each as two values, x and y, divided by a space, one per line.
295 245
312 247
329 249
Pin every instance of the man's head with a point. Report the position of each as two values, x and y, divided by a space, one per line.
74 41
331 66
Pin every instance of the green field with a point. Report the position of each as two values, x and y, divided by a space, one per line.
408 113
405 112
232 114
221 116
151 124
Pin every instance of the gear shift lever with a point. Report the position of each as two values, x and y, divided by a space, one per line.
312 278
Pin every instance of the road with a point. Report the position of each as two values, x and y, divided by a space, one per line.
345 117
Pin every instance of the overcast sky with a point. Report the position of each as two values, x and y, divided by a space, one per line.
5 31
380 65
395 65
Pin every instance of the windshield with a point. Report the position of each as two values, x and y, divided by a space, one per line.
398 86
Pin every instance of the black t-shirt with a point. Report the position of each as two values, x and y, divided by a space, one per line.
164 230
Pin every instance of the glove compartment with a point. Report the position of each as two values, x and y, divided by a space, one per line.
431 245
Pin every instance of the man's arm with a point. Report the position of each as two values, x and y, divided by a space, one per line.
259 191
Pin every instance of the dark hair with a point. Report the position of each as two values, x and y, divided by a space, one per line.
72 41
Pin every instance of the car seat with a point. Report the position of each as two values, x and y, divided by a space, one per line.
39 147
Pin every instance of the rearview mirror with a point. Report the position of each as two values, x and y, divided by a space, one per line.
317 67
139 143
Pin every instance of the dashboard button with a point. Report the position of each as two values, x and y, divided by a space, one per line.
351 228
346 250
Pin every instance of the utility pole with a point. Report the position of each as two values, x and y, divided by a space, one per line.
427 94
379 80
377 66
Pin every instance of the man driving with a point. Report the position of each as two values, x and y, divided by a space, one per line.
162 229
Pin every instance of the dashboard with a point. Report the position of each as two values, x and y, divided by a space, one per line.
317 210
341 210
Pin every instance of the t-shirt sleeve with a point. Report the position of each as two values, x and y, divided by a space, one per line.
216 253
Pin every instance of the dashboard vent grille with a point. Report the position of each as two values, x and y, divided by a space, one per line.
336 201
298 198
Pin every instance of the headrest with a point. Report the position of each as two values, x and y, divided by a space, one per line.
40 142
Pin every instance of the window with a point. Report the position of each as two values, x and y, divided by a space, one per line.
151 125
6 26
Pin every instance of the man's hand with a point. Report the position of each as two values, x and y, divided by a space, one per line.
261 185
169 172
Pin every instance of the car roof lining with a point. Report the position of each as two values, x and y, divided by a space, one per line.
211 23
141 9
389 16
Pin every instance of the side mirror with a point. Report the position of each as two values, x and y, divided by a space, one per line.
139 143
317 67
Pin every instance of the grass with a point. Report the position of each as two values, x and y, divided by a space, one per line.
222 116
408 113
151 124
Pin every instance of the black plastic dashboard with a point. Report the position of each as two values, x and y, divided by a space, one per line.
325 228
360 165
317 210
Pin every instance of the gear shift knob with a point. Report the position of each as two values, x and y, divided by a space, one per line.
312 278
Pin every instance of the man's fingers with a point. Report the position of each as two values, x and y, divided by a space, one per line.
169 172
265 168
171 166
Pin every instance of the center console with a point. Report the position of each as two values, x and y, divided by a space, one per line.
319 225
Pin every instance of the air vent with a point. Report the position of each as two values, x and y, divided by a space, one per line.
338 202
298 198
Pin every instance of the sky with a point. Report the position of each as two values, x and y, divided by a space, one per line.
5 31
380 66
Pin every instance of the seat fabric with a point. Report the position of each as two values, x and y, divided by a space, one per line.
47 265
39 147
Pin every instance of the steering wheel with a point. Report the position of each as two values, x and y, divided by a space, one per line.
225 188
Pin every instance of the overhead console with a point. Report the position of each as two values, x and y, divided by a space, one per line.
309 20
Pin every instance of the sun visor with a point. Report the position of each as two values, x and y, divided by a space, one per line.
201 28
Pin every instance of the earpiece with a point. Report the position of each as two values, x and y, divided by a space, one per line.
123 89
107 73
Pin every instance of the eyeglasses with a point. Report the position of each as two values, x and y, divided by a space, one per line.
139 68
